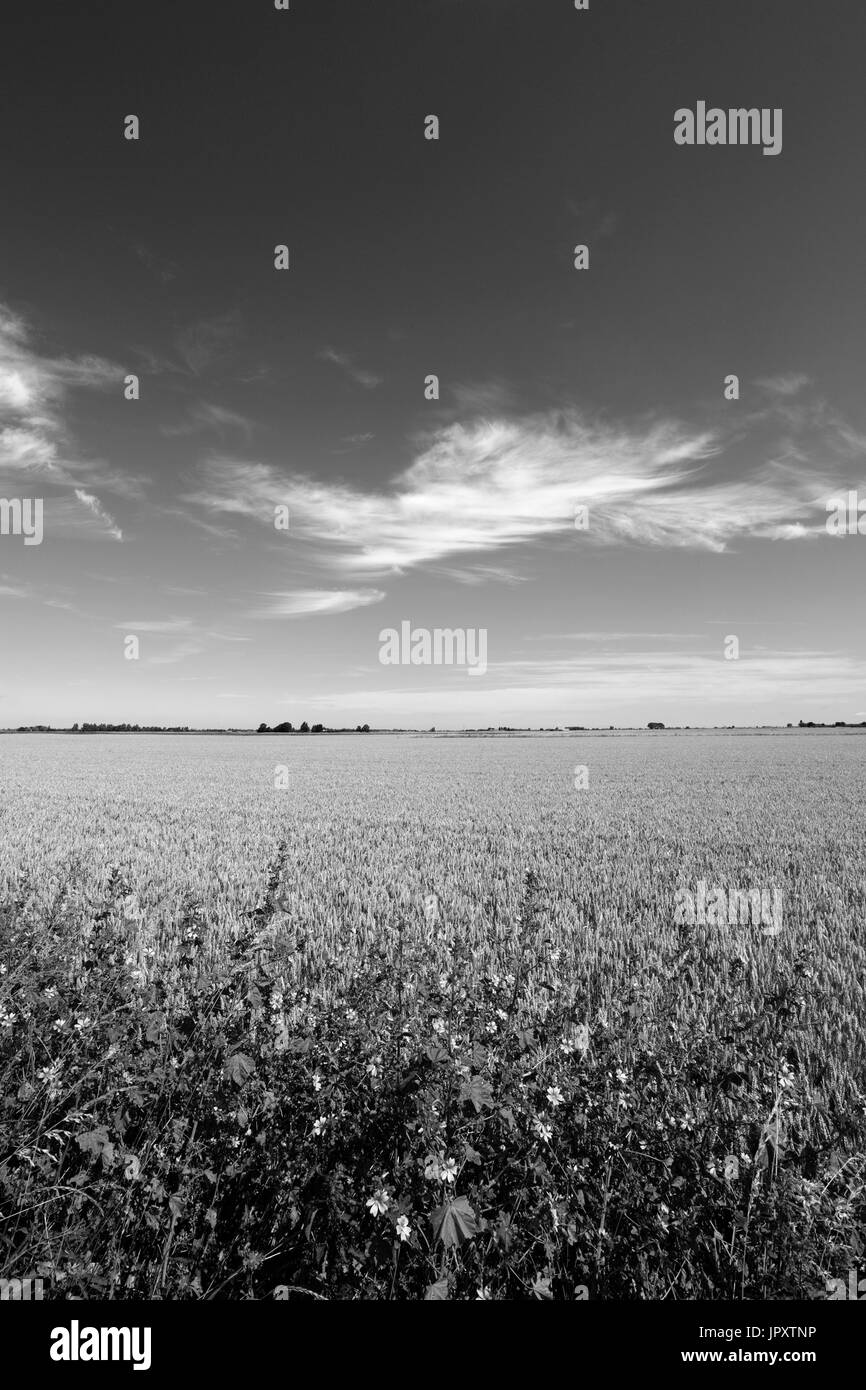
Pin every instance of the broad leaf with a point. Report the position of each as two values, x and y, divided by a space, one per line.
454 1222
239 1068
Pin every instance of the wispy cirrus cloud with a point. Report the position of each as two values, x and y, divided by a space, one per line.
35 444
204 415
492 484
299 603
369 380
785 384
94 505
155 625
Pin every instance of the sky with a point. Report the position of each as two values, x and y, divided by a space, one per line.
304 388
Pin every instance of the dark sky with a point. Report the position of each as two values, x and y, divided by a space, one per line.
411 257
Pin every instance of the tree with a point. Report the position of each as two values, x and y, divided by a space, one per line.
284 728
263 729
305 728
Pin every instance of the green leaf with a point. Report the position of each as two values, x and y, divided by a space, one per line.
97 1142
438 1292
479 1092
541 1288
239 1068
454 1222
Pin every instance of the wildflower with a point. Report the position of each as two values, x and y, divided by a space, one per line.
483 1294
492 1027
543 1131
319 1126
50 1077
555 1096
500 1013
6 1019
448 1171
404 1230
351 1016
439 1026
317 1081
379 1202
50 992
621 1076
82 1023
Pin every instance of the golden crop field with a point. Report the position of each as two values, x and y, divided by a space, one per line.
407 884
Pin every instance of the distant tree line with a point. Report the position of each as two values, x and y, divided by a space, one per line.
287 728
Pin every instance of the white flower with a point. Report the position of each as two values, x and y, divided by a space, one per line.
439 1026
319 1126
317 1081
448 1171
379 1202
50 1077
555 1096
621 1076
351 1016
483 1294
543 1131
404 1230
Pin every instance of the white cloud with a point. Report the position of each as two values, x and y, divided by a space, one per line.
369 380
95 506
302 602
33 438
496 483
